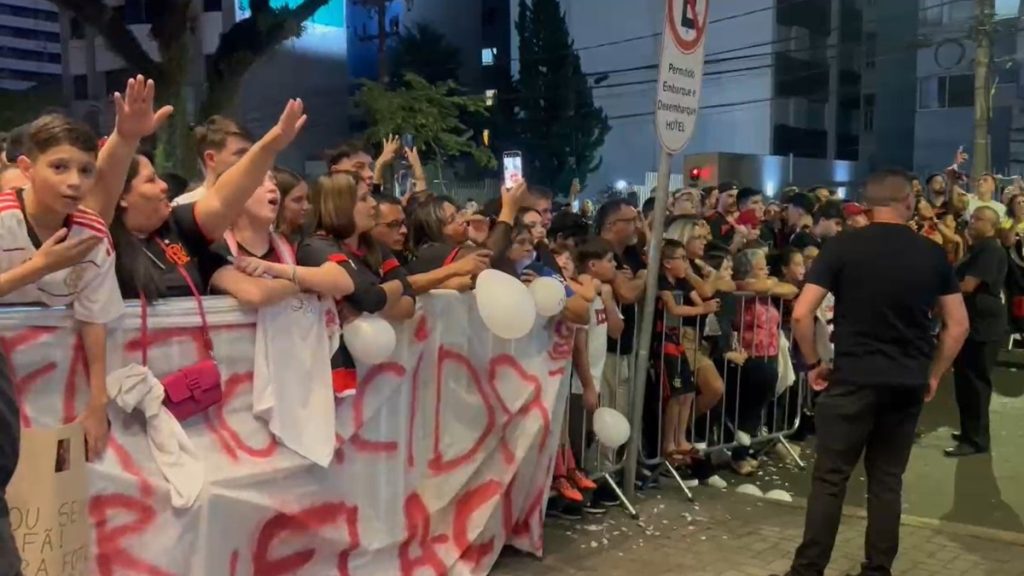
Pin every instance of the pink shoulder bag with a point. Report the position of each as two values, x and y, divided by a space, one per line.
194 389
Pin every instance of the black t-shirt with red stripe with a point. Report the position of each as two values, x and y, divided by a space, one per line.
433 256
179 241
368 297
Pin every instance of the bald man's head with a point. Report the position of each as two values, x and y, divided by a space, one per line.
888 188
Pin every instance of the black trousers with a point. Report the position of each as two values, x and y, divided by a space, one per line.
972 377
876 421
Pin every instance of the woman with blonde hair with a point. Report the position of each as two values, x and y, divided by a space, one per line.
343 215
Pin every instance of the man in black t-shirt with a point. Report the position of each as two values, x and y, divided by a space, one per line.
981 274
886 366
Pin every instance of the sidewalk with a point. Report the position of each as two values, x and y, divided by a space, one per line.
728 534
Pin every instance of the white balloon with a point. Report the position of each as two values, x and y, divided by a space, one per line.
370 339
549 295
750 490
780 495
505 304
612 428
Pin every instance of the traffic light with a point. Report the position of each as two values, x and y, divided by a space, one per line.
694 175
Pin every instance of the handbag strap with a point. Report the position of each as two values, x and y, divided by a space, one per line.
145 329
207 339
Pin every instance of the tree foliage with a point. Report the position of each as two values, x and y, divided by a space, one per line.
559 127
427 53
432 112
173 22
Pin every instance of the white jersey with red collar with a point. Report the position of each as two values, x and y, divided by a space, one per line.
89 287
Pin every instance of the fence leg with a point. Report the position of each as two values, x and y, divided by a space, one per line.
622 497
679 479
792 453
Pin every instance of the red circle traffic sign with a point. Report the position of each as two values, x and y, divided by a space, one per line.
691 15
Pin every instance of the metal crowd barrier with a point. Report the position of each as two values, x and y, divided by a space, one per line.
782 410
603 464
728 425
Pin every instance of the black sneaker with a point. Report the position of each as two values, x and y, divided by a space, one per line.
569 512
605 496
595 508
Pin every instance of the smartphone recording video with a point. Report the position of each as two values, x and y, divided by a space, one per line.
512 163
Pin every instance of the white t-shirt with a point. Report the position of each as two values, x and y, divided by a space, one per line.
189 197
597 342
974 202
89 287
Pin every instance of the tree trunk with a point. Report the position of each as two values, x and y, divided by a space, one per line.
174 141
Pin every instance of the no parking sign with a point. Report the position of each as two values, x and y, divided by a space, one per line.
680 72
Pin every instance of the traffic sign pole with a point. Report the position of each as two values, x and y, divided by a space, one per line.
678 94
643 353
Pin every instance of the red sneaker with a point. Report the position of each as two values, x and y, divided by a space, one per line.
566 490
580 480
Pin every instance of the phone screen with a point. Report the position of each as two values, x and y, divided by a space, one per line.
512 164
408 141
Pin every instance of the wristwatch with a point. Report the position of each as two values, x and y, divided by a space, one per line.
814 365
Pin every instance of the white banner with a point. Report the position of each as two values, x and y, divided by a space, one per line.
443 457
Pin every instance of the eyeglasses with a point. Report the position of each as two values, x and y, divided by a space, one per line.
394 224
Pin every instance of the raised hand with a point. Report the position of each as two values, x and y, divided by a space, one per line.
473 264
135 116
513 195
57 254
392 144
293 118
413 155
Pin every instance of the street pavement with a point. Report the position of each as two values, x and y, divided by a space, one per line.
729 534
961 516
985 491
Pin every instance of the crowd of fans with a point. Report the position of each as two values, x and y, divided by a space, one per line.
732 261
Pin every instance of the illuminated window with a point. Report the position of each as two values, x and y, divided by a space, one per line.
489 96
487 56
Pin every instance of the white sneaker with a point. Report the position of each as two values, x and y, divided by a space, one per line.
742 438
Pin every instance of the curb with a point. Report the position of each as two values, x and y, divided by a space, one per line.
942 526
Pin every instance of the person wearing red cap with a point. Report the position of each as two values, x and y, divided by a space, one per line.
856 215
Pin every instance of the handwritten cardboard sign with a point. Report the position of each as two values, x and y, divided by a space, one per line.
48 497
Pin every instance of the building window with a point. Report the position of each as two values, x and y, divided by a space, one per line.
29 13
943 12
870 50
77 29
135 12
489 96
868 110
937 92
29 55
26 34
487 56
81 86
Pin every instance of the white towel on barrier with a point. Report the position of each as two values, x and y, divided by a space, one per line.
134 387
787 375
291 379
